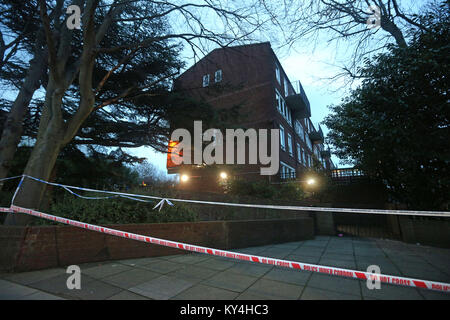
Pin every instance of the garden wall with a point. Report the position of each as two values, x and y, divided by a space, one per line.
40 247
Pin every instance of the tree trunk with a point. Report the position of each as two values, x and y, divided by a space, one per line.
12 131
40 165
50 140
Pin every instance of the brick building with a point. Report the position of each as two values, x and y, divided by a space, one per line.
252 77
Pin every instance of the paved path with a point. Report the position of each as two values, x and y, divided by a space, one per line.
200 277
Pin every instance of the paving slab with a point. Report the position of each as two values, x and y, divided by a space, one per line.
230 281
321 294
140 261
338 256
193 272
303 258
91 289
12 291
131 278
392 292
288 276
104 270
26 278
316 243
163 266
217 263
39 295
127 295
272 290
204 292
195 276
250 269
345 264
309 251
161 288
334 283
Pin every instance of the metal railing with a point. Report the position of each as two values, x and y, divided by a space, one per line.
298 89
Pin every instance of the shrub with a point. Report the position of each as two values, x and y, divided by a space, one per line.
262 189
118 211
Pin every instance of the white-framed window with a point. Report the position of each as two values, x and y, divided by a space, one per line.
299 152
279 102
286 87
304 157
299 129
282 139
316 152
283 108
218 76
287 171
277 73
206 80
290 149
308 142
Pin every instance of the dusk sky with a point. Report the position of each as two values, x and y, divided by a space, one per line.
311 62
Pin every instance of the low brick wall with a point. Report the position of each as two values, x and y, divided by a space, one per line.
33 248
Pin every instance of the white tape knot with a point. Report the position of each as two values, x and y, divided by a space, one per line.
161 203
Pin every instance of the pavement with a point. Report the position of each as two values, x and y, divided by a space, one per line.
200 277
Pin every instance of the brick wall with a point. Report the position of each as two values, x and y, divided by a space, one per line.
40 247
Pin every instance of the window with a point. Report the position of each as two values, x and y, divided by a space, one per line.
286 87
282 140
308 142
206 80
283 108
316 152
299 153
290 144
277 73
279 102
299 130
287 172
218 76
304 157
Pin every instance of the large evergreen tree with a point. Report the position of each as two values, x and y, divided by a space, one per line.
136 47
396 125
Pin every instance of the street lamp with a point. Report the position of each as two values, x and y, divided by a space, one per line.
184 178
311 181
223 175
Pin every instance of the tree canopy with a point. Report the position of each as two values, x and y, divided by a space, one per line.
395 126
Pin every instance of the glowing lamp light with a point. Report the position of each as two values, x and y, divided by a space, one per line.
223 175
184 178
310 181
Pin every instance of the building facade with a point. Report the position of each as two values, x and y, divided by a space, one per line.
251 76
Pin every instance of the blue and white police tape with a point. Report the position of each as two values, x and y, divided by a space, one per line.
245 205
